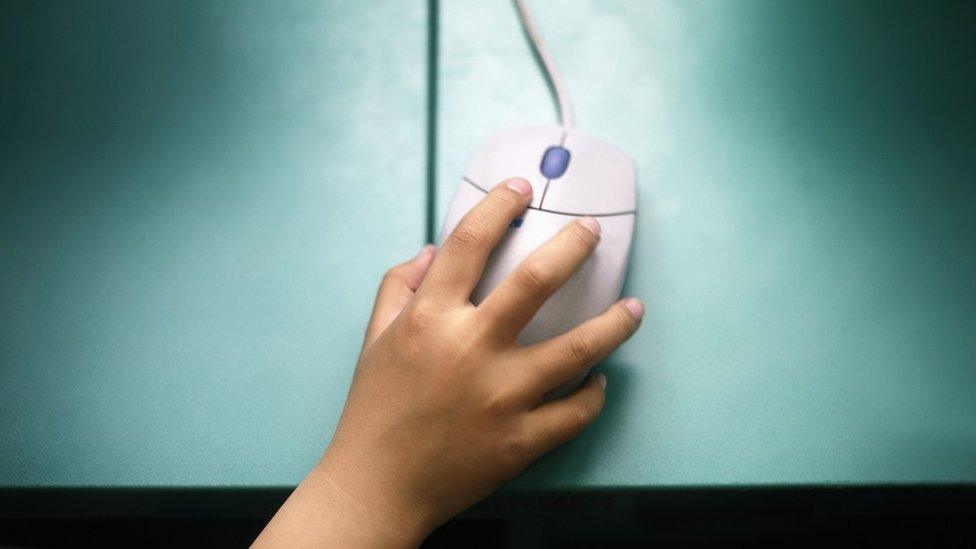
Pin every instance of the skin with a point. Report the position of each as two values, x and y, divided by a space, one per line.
445 404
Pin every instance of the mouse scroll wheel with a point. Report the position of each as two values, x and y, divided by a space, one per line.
554 162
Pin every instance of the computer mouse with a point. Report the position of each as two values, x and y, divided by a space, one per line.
572 175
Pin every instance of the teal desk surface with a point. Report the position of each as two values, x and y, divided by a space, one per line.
198 199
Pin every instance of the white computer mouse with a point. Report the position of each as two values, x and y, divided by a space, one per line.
572 175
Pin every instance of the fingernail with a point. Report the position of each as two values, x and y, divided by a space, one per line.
592 224
602 380
635 307
520 185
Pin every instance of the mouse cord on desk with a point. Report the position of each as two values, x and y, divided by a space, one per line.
548 63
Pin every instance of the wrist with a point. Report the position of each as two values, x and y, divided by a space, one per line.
375 512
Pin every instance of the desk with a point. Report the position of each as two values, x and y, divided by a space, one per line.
198 200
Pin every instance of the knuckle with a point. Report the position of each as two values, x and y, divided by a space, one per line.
623 322
505 200
498 404
534 277
581 347
514 448
469 234
394 273
416 326
581 416
581 236
415 320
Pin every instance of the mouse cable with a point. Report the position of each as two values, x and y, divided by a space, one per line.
548 63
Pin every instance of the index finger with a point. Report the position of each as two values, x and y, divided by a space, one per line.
461 259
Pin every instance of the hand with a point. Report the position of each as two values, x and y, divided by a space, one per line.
445 405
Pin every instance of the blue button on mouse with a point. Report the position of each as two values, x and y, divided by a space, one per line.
554 162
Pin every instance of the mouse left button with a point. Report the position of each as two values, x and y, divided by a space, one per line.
465 198
514 153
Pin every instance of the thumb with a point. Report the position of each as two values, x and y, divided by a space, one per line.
397 289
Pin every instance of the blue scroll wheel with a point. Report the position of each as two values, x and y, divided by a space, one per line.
554 162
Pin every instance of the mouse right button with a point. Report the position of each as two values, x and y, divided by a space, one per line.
599 180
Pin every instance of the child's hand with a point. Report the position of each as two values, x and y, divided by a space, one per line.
445 404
